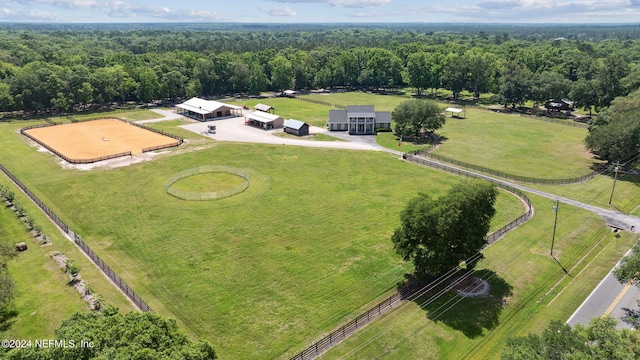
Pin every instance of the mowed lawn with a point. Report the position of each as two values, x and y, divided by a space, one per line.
528 290
44 298
511 144
516 145
258 274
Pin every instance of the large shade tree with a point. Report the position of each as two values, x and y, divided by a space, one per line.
417 116
113 335
515 87
598 340
615 133
438 234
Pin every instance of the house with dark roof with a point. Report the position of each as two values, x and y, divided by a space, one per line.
359 120
296 127
558 104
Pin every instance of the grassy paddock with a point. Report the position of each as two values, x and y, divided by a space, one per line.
493 140
44 297
520 272
131 115
381 102
305 247
516 145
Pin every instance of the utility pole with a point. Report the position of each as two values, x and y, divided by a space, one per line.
615 177
555 222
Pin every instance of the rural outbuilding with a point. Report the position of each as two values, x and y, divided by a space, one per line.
263 120
559 104
359 120
205 110
296 127
455 112
264 108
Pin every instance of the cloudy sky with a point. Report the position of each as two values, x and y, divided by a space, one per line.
322 11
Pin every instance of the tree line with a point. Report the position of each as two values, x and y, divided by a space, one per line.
69 69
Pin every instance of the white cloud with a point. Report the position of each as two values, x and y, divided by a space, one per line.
535 11
280 11
70 4
195 15
340 3
358 3
42 16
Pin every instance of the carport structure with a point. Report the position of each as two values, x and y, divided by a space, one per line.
455 112
264 120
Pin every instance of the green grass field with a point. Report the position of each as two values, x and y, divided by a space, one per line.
131 115
520 272
306 247
44 298
598 191
260 273
516 145
496 141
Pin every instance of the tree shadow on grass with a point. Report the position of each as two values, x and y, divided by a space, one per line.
473 314
7 318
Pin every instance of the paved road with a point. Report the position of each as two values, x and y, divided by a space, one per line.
612 218
612 298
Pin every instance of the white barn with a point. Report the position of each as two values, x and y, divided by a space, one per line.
205 110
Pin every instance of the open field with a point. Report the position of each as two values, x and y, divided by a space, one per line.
381 102
129 115
305 247
520 272
597 191
512 144
44 298
516 145
98 138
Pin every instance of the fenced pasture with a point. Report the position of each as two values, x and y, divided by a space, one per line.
512 144
451 327
96 140
44 297
517 145
303 249
129 115
381 102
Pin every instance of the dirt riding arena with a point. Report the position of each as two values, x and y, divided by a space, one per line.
96 140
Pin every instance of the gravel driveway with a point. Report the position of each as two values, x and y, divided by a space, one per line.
234 129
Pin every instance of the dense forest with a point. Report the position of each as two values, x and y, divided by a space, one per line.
57 68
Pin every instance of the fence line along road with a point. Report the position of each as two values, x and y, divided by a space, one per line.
577 180
106 270
408 292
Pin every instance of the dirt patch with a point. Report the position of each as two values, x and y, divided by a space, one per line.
81 286
471 286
